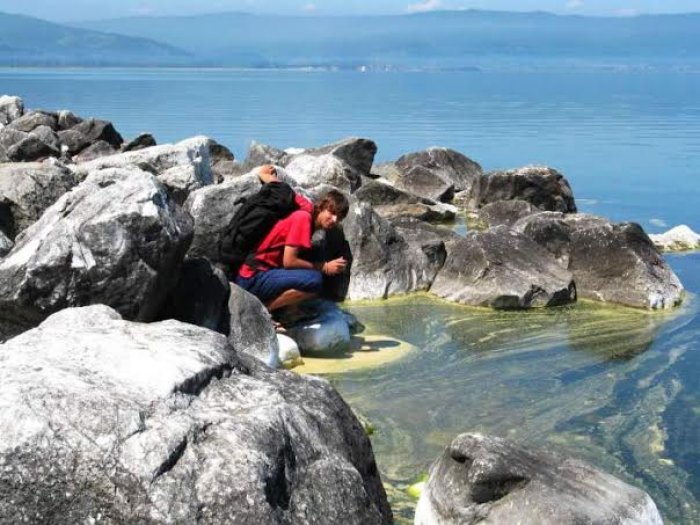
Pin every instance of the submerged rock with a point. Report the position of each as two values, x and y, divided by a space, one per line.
105 419
500 268
318 326
115 239
485 479
611 262
677 239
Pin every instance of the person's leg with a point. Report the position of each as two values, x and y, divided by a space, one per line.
282 287
289 298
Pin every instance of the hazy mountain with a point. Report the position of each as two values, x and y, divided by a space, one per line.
30 41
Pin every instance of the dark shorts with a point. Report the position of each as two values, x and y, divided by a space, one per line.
269 285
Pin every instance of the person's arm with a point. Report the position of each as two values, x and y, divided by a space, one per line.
291 260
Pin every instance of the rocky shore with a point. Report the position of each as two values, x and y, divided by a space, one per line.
140 383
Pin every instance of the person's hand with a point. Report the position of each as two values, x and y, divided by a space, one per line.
335 266
267 174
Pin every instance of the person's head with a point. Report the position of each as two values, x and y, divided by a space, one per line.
330 210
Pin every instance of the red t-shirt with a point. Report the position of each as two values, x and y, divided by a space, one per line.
293 230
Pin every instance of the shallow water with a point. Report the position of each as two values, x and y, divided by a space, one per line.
617 387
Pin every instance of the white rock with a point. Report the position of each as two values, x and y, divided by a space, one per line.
676 239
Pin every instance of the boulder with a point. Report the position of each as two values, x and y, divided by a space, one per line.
311 170
384 263
27 189
541 186
451 166
289 351
182 167
505 213
485 479
109 420
115 239
94 151
67 119
95 130
501 268
33 119
426 183
140 141
11 108
6 245
318 327
48 136
73 141
390 202
677 239
259 154
212 208
200 297
356 152
250 327
30 149
611 262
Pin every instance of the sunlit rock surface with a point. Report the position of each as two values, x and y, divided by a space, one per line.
680 238
105 419
482 478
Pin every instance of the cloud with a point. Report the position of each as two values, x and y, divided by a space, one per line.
574 4
309 8
428 5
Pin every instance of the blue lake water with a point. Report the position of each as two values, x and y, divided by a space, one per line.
617 387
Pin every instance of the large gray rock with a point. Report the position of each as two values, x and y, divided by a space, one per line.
212 208
505 213
485 479
67 119
115 239
30 149
94 130
183 167
259 154
94 151
541 186
426 183
311 170
33 119
251 329
48 136
356 152
27 189
384 263
11 108
391 202
611 262
501 268
448 165
73 141
140 141
108 420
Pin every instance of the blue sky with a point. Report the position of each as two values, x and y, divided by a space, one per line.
67 10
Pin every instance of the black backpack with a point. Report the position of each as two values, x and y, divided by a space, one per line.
252 222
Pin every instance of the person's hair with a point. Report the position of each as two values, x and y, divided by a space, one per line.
334 201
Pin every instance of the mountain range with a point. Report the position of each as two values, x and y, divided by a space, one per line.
439 40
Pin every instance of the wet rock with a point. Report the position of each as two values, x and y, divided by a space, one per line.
448 165
610 262
505 213
200 296
115 239
6 245
678 239
33 119
140 141
317 326
27 189
541 186
95 129
250 328
384 263
390 202
30 149
310 171
485 479
212 208
500 268
67 119
11 108
165 422
94 151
